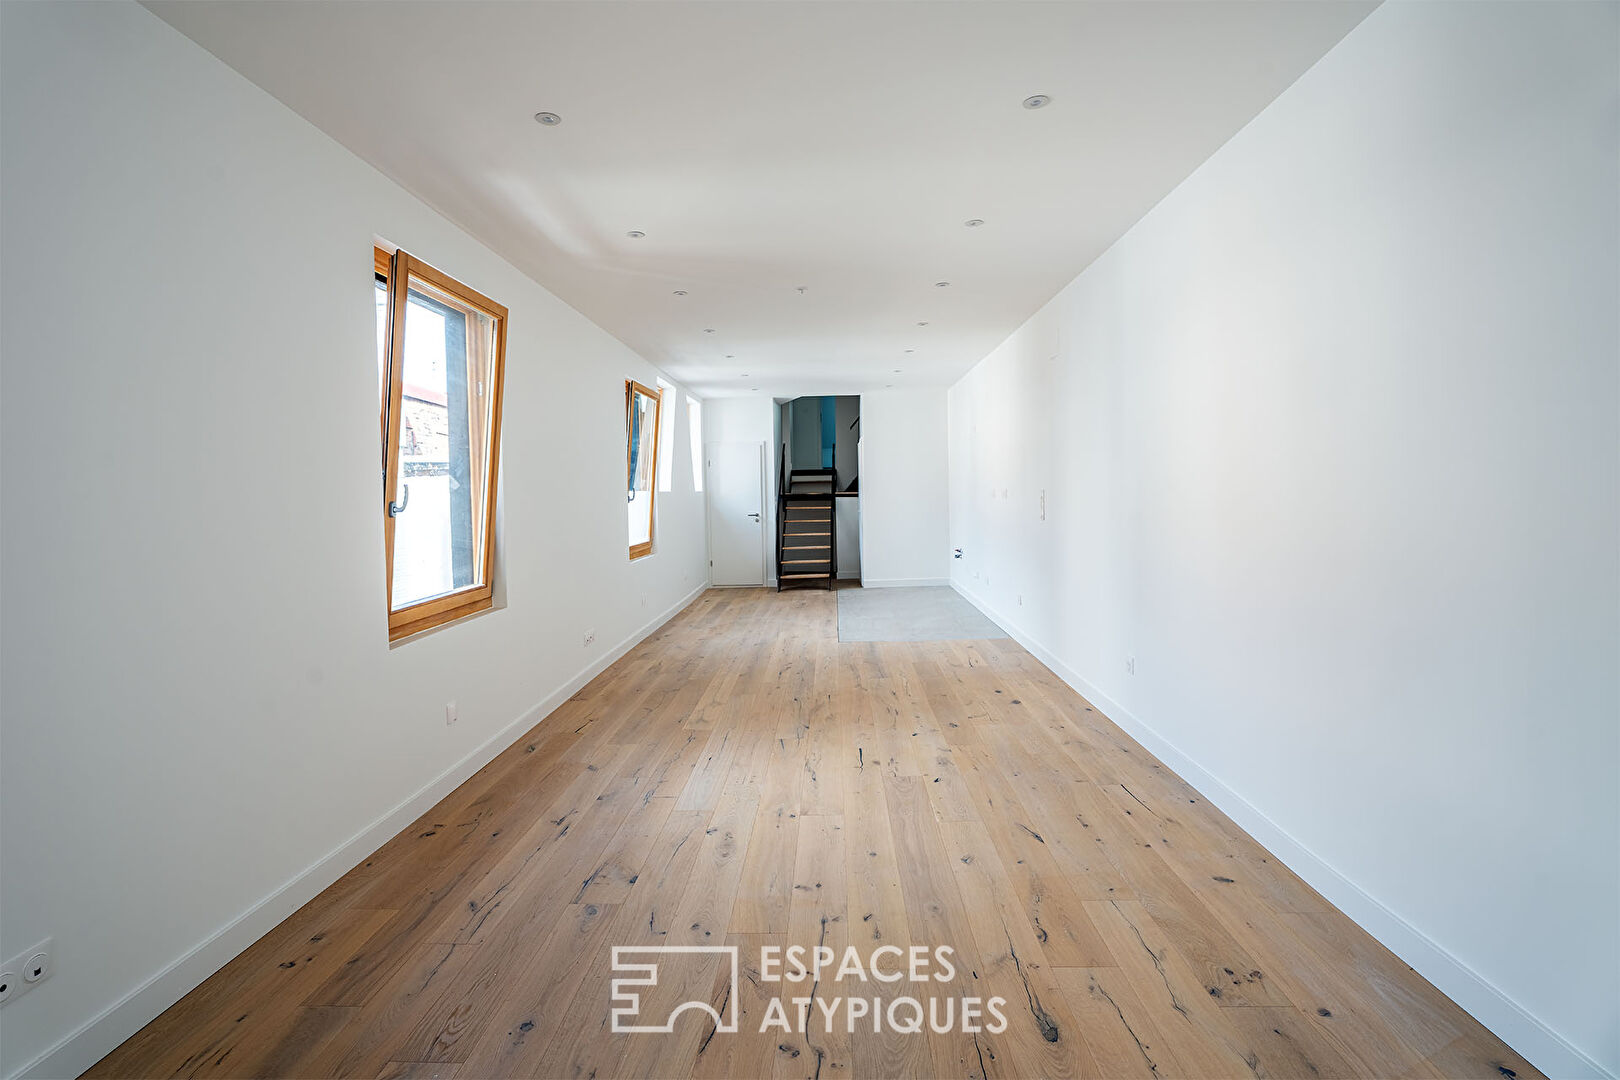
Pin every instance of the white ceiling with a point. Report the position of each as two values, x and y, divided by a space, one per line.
767 146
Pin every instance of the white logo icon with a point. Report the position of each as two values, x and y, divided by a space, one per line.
627 1003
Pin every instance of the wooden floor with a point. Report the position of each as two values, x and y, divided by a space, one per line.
743 778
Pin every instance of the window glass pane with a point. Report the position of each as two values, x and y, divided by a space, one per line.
443 446
666 439
642 423
382 340
694 431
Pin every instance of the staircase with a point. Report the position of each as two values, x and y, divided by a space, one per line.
806 540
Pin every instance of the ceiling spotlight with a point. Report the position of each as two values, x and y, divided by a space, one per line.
635 234
973 223
680 292
801 290
548 119
942 284
1038 101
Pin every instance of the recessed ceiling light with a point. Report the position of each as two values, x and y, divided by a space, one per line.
708 329
911 350
635 234
888 386
549 119
897 371
745 374
973 223
1037 101
755 389
942 284
730 357
922 324
680 292
801 290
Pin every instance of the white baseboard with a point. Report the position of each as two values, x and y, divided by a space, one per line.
901 583
1511 1022
102 1034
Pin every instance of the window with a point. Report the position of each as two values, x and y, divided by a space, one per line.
642 407
694 431
441 353
666 439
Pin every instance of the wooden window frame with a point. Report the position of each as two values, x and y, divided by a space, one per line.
397 270
631 388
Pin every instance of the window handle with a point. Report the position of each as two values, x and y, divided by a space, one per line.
397 508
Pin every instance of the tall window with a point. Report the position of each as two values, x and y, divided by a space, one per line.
642 408
441 357
666 439
694 431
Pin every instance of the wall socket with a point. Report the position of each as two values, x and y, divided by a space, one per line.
451 715
26 970
1130 665
590 637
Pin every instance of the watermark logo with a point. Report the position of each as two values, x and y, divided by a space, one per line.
817 984
627 1001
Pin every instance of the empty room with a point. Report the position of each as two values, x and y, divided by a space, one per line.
810 539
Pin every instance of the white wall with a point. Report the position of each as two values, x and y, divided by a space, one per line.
904 521
199 699
1329 445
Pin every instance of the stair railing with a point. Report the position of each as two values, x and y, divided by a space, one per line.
832 524
781 512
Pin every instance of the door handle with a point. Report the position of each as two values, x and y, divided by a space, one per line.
397 508
754 516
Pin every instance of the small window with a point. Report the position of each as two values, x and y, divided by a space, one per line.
442 361
694 431
642 406
666 439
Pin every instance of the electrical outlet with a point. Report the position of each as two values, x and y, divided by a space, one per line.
26 970
1130 665
590 637
450 713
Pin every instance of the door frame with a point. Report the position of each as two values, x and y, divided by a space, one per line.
764 515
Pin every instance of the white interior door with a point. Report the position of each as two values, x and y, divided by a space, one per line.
735 483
